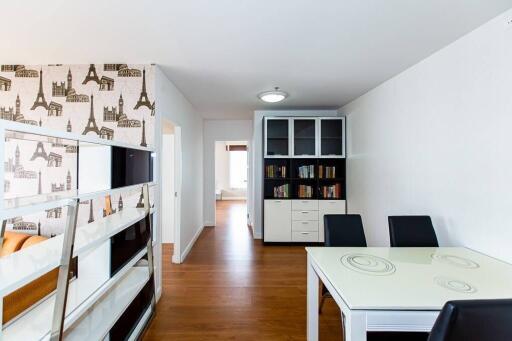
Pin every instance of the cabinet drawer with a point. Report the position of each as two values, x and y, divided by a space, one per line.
305 215
305 205
305 236
311 226
332 206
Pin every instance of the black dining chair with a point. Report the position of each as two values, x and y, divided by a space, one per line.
475 320
412 231
342 230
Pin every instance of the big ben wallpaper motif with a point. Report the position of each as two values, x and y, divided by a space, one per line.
108 101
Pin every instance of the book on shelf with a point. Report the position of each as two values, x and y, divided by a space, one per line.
274 171
282 191
325 172
305 191
331 192
307 172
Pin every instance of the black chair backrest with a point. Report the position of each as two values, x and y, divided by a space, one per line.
412 231
344 230
475 320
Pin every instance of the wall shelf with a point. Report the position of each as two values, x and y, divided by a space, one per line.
96 324
30 129
26 265
35 324
38 203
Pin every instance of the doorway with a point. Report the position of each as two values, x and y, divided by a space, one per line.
171 188
231 175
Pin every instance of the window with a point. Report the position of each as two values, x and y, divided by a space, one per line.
238 168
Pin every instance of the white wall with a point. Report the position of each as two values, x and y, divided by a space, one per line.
221 166
256 206
167 187
174 106
221 130
437 140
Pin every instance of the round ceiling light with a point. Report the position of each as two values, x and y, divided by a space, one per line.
273 96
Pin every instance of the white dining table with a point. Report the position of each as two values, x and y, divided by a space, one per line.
399 289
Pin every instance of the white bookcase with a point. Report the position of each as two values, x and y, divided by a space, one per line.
303 176
73 311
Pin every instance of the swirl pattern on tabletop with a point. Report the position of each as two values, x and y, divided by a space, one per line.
455 261
368 264
455 285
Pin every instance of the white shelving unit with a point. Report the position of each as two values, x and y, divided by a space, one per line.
82 313
290 143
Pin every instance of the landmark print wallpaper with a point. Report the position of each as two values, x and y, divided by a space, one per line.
110 101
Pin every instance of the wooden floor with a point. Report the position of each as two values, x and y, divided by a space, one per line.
231 287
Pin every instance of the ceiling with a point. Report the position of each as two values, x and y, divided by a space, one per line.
221 53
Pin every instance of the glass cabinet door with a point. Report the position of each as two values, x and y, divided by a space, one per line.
332 137
277 137
304 137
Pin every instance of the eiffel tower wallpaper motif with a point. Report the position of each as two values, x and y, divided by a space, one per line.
91 75
39 152
143 99
40 100
91 123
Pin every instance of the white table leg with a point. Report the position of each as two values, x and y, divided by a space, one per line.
354 325
312 304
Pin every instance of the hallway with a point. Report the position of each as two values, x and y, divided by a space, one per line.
231 287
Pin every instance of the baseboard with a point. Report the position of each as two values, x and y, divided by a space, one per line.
209 224
233 198
256 235
186 251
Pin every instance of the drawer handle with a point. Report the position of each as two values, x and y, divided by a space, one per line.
304 202
276 201
304 212
304 223
304 233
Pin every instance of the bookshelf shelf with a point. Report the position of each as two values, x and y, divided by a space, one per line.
307 167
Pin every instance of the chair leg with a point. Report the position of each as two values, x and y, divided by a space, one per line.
321 304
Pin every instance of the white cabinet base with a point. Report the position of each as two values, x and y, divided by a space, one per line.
300 221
